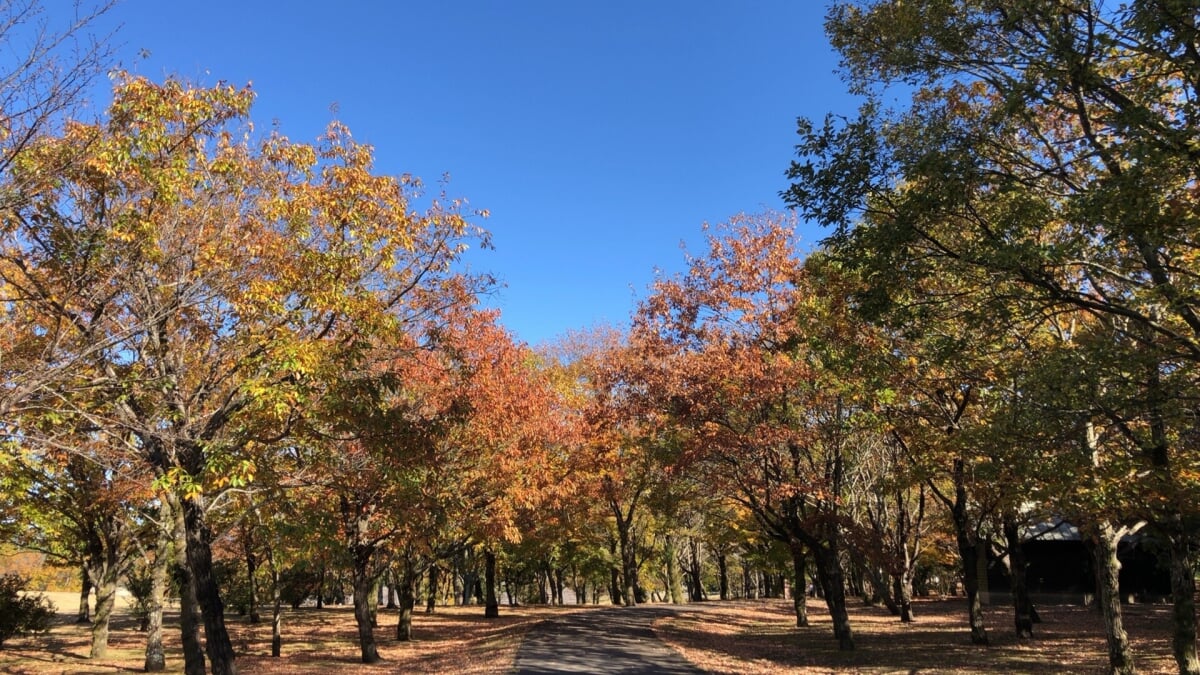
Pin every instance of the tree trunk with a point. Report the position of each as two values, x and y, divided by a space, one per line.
251 575
105 582
491 607
829 571
156 658
553 583
431 596
456 584
674 588
614 586
799 583
321 588
391 590
364 588
189 605
628 563
902 592
276 615
199 555
1183 594
558 574
723 575
276 602
858 584
1105 539
85 592
697 585
407 595
969 555
373 600
882 591
1022 605
470 581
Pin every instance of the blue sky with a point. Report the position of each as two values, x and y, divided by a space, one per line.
598 134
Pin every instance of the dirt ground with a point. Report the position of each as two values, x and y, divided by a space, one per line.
454 640
736 637
761 637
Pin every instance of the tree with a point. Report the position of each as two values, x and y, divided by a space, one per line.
440 442
629 454
228 276
1051 145
46 71
768 375
81 507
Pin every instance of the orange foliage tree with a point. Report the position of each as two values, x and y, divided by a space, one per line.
772 378
228 275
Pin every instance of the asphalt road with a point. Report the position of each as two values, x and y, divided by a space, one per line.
616 640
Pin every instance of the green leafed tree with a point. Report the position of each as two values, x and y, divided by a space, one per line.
1053 146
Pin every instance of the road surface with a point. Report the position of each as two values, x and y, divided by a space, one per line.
616 640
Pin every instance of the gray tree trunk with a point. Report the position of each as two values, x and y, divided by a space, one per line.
251 576
85 592
217 645
189 606
407 596
431 596
674 586
829 571
799 583
1105 539
105 582
1022 605
491 603
156 657
1183 594
364 589
276 614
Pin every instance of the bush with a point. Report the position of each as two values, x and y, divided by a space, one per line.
21 614
140 583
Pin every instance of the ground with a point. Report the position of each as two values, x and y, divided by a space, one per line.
737 637
761 637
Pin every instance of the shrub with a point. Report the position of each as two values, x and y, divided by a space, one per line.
140 583
21 614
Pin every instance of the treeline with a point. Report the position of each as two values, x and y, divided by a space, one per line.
251 371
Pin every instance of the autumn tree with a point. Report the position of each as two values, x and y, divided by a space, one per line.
83 506
46 69
1050 145
518 428
627 451
760 366
227 272
437 445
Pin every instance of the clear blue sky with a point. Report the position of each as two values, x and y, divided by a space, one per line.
598 134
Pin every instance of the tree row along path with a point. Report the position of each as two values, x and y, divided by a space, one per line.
617 640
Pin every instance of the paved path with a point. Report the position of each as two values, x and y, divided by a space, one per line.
617 640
